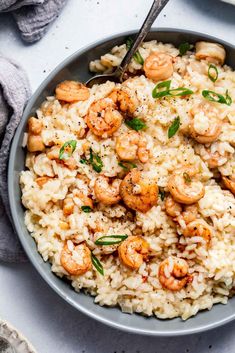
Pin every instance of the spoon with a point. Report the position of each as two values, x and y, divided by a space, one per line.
119 74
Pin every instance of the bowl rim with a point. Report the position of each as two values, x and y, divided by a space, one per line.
16 223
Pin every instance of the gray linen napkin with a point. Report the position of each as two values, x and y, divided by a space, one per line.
14 93
32 16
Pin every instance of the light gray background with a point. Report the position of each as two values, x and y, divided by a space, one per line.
25 300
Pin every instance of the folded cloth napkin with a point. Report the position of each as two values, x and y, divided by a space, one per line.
14 93
32 16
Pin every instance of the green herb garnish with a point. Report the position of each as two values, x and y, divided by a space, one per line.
95 161
83 161
184 47
110 239
228 98
67 149
162 193
86 209
213 73
187 177
162 89
216 97
97 264
179 92
174 127
127 165
136 124
159 91
137 56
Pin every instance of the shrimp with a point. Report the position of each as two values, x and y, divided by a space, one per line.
71 91
123 101
53 154
76 260
131 145
205 127
182 188
34 126
190 213
107 192
205 134
173 273
133 251
212 52
199 228
175 210
158 66
138 193
103 118
229 182
35 143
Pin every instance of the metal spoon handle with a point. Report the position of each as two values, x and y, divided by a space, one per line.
156 8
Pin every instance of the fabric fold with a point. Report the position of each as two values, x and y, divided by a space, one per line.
33 16
14 93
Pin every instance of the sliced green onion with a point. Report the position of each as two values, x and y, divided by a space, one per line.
162 194
127 165
180 91
216 97
187 177
97 264
174 127
95 161
228 98
86 209
184 47
136 124
83 161
110 239
213 73
137 56
63 154
159 91
129 43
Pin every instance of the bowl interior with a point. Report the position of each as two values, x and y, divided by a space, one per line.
76 67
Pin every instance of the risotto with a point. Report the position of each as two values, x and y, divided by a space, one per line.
129 188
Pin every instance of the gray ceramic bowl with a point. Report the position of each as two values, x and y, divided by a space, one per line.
76 67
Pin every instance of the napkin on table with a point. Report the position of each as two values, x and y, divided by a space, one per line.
32 16
14 93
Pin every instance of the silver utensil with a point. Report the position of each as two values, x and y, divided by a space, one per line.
119 74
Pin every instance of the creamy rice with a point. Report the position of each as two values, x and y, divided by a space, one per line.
212 268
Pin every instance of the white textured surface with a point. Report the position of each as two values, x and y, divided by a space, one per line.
25 300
